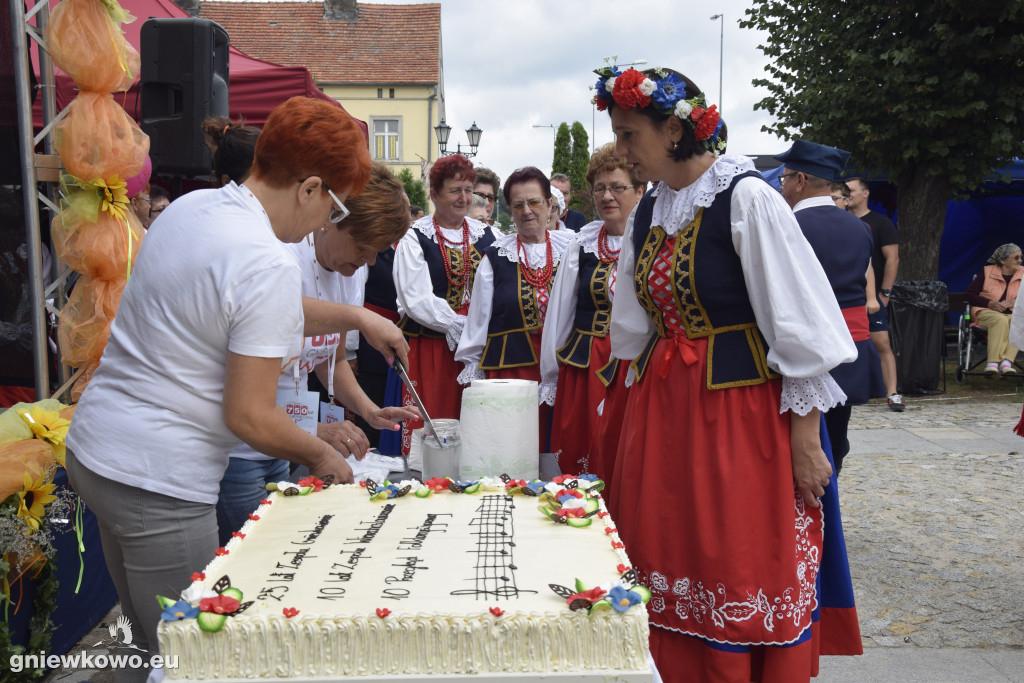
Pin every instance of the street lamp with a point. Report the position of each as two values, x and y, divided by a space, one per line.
443 131
546 125
639 62
721 44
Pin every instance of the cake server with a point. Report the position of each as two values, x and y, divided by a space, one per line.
416 399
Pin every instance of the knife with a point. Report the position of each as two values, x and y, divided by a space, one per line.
419 404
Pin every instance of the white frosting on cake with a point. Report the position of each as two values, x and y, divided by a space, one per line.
439 564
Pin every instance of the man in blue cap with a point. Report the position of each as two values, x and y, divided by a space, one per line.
842 242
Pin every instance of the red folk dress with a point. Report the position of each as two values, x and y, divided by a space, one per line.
704 496
579 374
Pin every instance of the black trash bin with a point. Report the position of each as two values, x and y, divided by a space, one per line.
916 321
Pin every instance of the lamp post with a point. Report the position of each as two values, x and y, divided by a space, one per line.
443 131
721 44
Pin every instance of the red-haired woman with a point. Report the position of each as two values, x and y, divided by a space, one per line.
207 321
434 268
576 351
722 474
512 289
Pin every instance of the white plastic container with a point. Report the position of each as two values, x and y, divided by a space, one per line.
442 458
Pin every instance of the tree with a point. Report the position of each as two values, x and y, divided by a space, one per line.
578 168
563 154
413 188
925 93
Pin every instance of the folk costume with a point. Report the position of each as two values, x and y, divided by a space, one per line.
433 272
578 372
729 323
511 296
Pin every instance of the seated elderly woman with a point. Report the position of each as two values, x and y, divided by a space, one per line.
992 296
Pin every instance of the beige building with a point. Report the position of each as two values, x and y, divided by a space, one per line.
383 63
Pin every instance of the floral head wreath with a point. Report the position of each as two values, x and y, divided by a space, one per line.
665 93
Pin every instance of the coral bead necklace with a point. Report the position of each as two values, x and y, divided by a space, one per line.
462 277
538 277
604 252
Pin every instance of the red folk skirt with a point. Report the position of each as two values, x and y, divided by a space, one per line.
435 373
531 372
585 441
705 502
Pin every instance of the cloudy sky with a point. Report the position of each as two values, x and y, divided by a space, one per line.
513 64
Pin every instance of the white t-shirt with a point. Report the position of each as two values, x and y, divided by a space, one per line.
210 278
325 285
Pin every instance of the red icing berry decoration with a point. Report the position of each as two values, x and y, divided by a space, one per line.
611 530
220 552
363 483
616 544
602 515
383 612
623 568
265 501
497 611
198 576
254 518
290 612
237 534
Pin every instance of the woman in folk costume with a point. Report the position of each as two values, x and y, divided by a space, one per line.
434 268
512 290
731 327
576 351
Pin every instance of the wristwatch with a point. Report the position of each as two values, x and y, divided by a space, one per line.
885 292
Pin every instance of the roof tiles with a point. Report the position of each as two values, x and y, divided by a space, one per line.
386 44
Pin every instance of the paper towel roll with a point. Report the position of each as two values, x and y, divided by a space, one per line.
499 429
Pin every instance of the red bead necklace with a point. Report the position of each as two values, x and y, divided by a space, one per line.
462 277
538 277
604 252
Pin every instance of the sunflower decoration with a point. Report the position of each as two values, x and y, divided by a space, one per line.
48 426
115 196
33 499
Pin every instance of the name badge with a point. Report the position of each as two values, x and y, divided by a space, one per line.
301 407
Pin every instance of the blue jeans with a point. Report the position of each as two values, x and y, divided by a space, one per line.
242 488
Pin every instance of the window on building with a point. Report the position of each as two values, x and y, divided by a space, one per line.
391 93
385 139
380 93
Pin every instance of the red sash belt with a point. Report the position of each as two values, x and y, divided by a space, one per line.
677 344
389 314
857 322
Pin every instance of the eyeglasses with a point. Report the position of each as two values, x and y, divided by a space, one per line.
838 198
484 195
782 178
614 189
339 214
534 205
156 212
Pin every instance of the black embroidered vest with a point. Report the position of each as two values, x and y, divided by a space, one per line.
592 317
514 316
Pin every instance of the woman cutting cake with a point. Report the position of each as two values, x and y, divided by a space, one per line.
210 316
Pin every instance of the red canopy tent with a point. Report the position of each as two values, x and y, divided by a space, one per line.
255 87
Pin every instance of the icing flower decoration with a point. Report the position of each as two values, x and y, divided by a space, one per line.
265 501
570 512
611 530
497 611
562 478
437 484
33 499
178 611
383 612
222 604
589 596
535 487
623 568
289 612
221 552
254 518
622 599
568 494
198 576
237 534
602 514
390 489
317 484
617 545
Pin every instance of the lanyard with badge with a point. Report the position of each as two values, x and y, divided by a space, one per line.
300 404
329 411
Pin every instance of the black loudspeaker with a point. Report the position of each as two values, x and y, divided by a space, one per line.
184 80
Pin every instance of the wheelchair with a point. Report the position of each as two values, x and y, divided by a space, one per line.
972 347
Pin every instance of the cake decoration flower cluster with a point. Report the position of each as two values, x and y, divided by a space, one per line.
571 500
619 597
665 93
301 488
209 607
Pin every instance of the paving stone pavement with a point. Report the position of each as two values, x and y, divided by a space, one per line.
932 509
